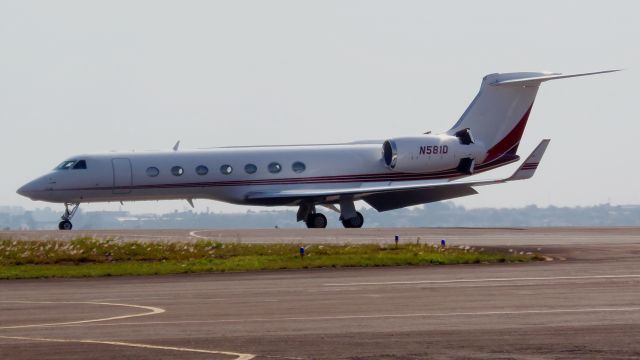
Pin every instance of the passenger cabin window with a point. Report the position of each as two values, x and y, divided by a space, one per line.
226 169
177 171
274 168
250 168
202 170
298 167
152 171
80 165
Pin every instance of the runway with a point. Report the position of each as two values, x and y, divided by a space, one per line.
469 236
585 304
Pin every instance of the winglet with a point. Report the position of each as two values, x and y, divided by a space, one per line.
529 166
176 146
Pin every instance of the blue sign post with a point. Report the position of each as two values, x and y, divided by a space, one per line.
301 252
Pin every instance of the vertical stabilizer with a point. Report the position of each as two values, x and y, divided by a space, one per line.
498 115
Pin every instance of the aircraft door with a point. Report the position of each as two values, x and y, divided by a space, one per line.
122 176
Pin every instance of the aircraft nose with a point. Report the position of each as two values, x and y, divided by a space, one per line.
32 188
26 189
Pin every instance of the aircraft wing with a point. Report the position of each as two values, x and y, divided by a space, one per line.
395 195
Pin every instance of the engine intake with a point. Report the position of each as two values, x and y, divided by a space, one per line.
390 153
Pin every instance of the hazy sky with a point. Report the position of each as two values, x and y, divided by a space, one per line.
88 76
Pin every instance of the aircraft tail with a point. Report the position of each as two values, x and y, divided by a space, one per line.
498 115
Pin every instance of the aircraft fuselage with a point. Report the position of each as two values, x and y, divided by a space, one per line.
224 174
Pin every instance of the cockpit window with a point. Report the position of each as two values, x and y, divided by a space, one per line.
66 165
80 164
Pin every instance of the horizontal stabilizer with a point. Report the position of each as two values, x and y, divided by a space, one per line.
536 80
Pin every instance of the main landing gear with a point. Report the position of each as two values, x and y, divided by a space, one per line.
307 213
349 217
316 220
355 222
65 224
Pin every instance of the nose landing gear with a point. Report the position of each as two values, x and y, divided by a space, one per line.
65 224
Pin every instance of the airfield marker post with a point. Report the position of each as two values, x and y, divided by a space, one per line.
302 252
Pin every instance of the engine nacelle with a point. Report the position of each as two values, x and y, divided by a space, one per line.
428 153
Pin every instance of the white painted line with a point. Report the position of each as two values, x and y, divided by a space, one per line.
239 356
111 235
133 298
152 311
486 280
145 298
380 316
195 234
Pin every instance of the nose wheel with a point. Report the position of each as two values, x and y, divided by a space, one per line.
65 224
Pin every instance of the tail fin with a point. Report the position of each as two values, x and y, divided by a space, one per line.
499 113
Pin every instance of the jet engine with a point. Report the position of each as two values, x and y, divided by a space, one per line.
427 153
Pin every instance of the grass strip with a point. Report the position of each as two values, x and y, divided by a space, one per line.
89 257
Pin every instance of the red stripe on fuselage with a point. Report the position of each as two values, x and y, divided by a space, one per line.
446 174
509 144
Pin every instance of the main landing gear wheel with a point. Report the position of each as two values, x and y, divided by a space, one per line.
317 221
354 222
65 224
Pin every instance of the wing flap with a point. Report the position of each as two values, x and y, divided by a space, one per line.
393 200
346 190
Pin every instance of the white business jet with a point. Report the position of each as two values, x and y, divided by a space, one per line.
386 174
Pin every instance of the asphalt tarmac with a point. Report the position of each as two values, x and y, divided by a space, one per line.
469 236
583 305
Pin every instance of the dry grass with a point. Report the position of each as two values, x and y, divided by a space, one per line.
93 257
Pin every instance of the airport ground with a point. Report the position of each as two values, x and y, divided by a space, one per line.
584 304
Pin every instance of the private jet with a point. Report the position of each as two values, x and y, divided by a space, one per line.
386 174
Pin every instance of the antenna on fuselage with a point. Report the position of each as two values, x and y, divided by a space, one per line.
175 147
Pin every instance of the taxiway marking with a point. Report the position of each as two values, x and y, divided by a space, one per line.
485 280
239 356
195 235
379 316
152 311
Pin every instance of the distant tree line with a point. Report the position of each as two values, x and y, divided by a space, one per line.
442 214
